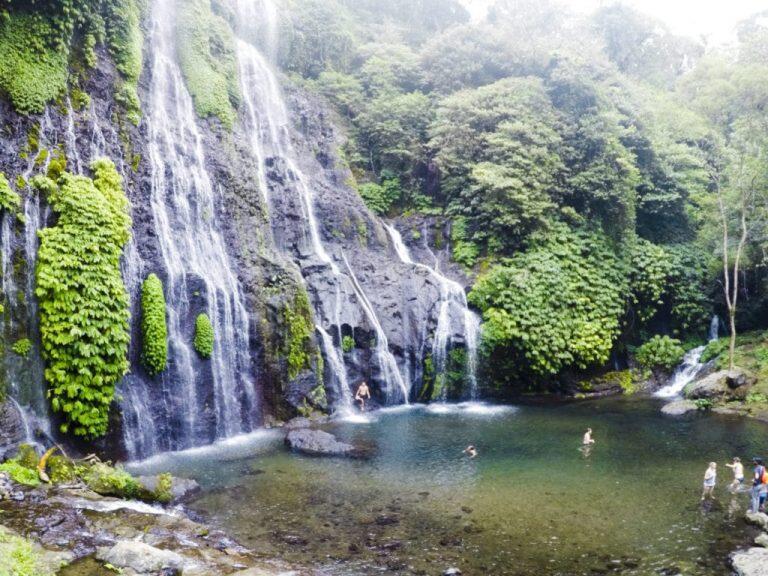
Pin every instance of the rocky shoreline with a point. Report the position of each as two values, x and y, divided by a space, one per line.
67 529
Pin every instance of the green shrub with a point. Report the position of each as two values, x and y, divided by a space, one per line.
19 473
347 343
154 331
22 347
714 349
555 306
756 398
83 302
61 469
204 336
9 200
660 352
381 197
297 344
703 404
27 456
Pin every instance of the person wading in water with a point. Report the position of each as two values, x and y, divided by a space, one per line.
362 393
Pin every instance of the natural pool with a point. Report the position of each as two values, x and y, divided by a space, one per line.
531 503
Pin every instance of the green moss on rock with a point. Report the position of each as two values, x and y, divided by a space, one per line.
207 57
204 336
154 331
297 345
9 200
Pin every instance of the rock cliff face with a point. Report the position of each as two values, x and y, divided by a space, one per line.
308 234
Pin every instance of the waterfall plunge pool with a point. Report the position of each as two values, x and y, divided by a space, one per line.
531 503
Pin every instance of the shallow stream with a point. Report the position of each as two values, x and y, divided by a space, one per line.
532 502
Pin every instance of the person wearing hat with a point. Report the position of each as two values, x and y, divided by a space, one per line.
759 486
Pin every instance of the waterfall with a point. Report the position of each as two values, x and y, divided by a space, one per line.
73 154
452 303
387 362
714 328
198 276
335 358
269 131
684 375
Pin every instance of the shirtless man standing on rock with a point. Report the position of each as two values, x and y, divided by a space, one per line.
362 393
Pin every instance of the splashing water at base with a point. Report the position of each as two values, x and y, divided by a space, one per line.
684 375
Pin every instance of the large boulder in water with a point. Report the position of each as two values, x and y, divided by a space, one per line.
318 443
758 519
12 430
751 562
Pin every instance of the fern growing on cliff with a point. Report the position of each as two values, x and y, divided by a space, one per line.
9 200
154 332
204 336
83 302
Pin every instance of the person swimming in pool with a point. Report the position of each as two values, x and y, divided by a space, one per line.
362 393
588 440
470 451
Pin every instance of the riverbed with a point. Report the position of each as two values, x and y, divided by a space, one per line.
532 502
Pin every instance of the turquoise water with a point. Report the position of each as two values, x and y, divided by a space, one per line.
532 502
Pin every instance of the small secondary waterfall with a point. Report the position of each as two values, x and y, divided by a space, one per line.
452 303
268 125
690 367
194 402
684 375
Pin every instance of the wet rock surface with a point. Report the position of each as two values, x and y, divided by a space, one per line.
751 562
679 407
75 524
318 443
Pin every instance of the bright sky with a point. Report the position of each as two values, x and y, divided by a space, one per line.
714 19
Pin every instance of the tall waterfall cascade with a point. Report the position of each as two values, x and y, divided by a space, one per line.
268 124
198 278
452 303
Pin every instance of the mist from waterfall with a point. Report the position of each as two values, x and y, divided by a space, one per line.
192 402
452 304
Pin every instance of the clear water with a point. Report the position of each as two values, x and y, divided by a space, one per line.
531 503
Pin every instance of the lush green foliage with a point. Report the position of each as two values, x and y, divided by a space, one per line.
556 305
122 19
154 332
83 302
207 57
347 343
32 71
19 473
44 43
19 558
381 197
110 481
660 352
204 336
9 200
298 327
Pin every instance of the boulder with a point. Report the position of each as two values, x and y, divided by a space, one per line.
713 386
758 519
762 540
751 562
142 558
12 430
679 407
317 443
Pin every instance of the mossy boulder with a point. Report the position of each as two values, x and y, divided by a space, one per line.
608 384
114 481
27 456
61 470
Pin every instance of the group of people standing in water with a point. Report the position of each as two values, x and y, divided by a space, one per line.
759 489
